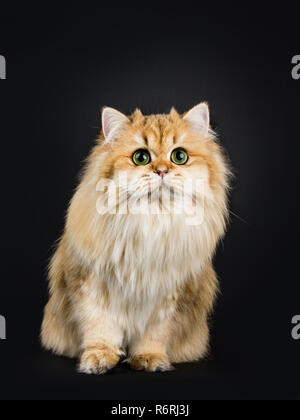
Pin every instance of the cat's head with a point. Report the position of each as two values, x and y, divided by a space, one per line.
159 153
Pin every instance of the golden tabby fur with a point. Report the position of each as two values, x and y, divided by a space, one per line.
139 284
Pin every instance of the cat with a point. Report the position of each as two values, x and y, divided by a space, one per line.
140 286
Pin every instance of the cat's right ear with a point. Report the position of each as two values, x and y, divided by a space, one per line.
112 122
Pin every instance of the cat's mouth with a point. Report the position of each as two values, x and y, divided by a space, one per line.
153 189
162 190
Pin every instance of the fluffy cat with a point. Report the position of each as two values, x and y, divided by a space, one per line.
141 285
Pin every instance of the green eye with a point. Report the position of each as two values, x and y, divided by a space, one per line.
179 157
141 157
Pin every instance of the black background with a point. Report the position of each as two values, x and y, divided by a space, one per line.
65 63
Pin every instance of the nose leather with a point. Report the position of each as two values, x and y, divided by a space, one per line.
162 172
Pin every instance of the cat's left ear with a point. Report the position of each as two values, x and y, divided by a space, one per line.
112 122
199 118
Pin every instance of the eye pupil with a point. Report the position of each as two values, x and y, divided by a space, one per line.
179 156
141 157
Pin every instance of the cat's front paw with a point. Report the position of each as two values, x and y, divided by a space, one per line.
98 360
151 362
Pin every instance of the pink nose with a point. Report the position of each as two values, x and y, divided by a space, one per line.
161 172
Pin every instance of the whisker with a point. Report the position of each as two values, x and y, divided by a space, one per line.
239 218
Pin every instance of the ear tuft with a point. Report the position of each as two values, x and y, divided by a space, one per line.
199 118
112 122
174 114
137 115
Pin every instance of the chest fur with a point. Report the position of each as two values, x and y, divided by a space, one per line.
147 259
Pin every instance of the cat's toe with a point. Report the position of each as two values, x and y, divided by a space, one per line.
98 361
151 363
